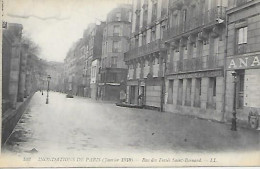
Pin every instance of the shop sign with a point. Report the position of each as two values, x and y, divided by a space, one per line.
214 73
243 62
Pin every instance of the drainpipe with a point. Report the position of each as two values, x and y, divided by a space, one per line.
225 72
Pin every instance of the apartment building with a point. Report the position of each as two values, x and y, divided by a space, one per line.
147 54
195 40
94 56
243 60
115 42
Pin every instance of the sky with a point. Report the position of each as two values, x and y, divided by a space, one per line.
55 25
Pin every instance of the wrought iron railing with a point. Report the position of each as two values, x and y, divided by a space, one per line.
143 50
194 64
200 20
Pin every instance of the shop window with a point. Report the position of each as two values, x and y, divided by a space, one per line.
212 93
241 35
214 84
170 92
180 92
197 92
188 93
240 88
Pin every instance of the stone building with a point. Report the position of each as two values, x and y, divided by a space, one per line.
18 71
93 57
20 77
87 63
115 42
11 68
70 71
195 40
243 58
55 70
147 54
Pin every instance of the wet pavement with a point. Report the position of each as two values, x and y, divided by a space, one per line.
81 125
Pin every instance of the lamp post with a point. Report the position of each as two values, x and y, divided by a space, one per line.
42 85
234 113
48 81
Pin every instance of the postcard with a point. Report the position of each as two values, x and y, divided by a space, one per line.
130 83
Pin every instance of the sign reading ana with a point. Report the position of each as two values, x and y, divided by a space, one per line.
243 62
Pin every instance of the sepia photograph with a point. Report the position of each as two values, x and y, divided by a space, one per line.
130 83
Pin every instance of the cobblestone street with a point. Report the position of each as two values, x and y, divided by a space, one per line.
80 125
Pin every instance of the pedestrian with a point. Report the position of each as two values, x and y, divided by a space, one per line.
122 96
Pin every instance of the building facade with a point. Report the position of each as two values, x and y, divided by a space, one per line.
243 59
195 40
115 42
20 68
94 57
147 54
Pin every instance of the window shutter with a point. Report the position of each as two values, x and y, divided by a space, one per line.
240 36
245 35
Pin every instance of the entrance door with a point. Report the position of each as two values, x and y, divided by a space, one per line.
240 87
142 92
132 95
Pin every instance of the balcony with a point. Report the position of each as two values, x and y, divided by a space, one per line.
241 2
144 50
194 64
202 20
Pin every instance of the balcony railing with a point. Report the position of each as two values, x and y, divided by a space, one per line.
241 2
194 64
201 20
143 50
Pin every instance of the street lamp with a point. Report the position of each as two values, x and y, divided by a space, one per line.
234 113
48 81
42 85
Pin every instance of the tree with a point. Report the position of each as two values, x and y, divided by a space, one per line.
33 47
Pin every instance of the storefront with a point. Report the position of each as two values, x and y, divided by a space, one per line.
244 70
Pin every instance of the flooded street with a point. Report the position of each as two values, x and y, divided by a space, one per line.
82 125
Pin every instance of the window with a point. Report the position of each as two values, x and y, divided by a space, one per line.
242 35
118 16
145 17
163 28
116 30
197 92
170 92
214 84
241 40
136 41
144 39
180 91
211 103
114 61
154 11
184 15
240 88
188 93
137 24
177 20
116 46
153 35
130 16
